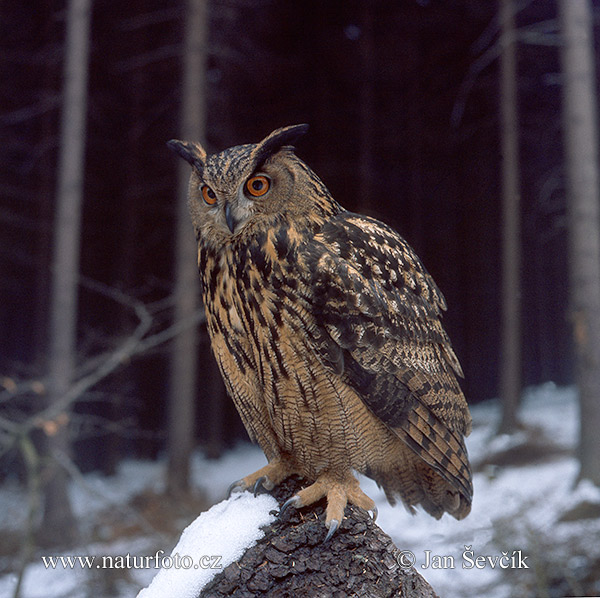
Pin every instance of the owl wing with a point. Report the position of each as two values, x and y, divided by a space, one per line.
378 313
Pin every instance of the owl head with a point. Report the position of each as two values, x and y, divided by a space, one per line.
242 188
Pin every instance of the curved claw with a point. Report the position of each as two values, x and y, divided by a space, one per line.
333 526
290 502
258 484
238 484
374 512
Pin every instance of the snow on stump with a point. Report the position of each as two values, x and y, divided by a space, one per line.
292 559
218 537
240 548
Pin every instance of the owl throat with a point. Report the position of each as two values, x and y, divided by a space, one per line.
247 286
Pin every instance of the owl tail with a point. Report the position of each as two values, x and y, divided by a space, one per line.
415 483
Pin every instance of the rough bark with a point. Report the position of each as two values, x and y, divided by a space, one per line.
583 212
293 560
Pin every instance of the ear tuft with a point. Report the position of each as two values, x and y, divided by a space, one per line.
191 152
276 140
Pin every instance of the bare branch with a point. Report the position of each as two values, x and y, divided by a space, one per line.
112 361
94 369
542 33
171 332
147 58
476 68
152 18
29 112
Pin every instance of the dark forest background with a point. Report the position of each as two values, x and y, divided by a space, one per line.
402 101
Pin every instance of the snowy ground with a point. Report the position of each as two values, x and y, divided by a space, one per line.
523 484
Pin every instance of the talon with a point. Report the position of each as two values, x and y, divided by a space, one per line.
268 476
258 484
333 526
238 484
290 502
374 512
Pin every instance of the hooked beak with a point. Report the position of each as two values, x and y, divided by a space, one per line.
231 223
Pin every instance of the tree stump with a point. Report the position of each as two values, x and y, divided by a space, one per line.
293 560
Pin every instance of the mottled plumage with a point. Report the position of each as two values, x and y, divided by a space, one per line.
326 328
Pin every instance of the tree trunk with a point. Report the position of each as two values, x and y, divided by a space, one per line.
45 188
293 560
183 387
510 374
581 153
58 522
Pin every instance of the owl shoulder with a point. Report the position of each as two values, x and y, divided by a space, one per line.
356 253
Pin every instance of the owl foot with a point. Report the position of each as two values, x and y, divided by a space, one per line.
268 477
338 494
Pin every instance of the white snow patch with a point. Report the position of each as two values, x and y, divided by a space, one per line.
585 491
226 531
555 409
214 476
95 492
13 506
503 442
40 582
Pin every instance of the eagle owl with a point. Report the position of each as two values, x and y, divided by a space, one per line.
326 328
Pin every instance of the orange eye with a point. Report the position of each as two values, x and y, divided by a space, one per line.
258 185
208 195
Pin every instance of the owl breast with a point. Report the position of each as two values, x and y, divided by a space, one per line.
264 335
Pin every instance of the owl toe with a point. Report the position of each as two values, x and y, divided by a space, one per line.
290 502
260 483
235 487
338 494
266 477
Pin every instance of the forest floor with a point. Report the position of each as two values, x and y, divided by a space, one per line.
531 532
